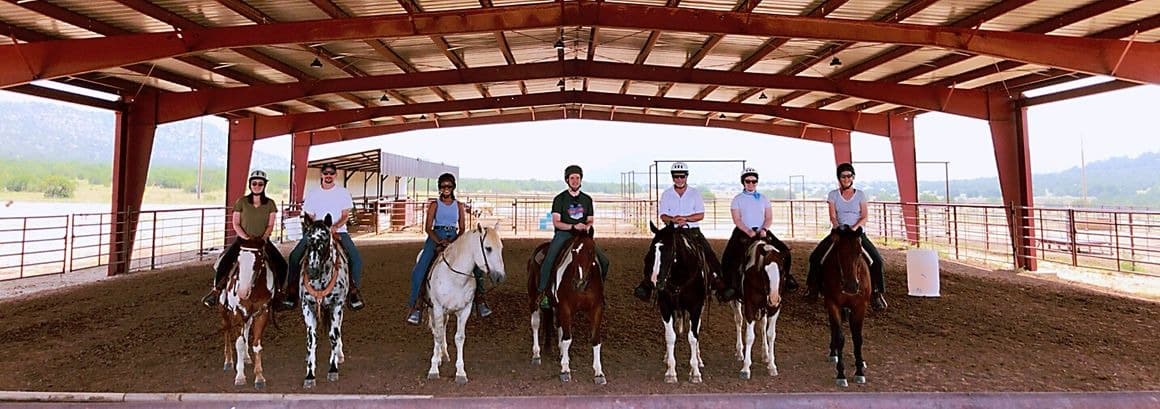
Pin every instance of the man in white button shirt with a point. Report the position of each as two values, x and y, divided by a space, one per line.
682 206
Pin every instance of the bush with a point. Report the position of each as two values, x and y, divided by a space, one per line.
18 183
57 186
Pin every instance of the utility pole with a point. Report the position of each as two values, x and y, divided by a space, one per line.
200 145
1083 172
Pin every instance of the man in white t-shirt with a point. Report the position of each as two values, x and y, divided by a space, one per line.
682 206
334 200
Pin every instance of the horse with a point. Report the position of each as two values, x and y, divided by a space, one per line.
846 290
682 282
245 310
762 282
451 290
323 291
578 287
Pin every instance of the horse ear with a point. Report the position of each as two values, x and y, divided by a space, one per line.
496 226
479 227
653 227
328 221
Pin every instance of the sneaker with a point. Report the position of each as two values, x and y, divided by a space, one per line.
415 316
356 301
877 302
643 291
544 302
211 299
791 285
483 309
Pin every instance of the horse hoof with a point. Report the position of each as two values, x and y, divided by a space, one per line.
670 379
249 361
259 385
332 377
240 382
772 371
860 379
461 379
833 359
565 377
842 383
309 383
600 380
744 375
433 375
535 361
695 379
227 366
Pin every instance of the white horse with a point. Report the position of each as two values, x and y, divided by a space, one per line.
451 288
760 303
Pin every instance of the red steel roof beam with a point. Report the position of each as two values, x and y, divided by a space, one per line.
742 6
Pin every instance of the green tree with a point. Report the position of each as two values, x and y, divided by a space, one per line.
57 186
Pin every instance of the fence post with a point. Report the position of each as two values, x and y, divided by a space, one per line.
201 234
153 250
70 241
1071 236
1116 229
792 231
23 238
955 214
515 216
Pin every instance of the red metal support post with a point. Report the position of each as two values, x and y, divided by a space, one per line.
240 151
1012 156
906 172
132 149
299 159
840 139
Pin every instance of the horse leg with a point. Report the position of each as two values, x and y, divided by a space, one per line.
770 340
670 344
256 345
246 338
335 335
748 360
856 321
227 340
536 336
738 321
439 334
597 368
311 343
836 343
565 329
242 349
460 336
443 344
694 347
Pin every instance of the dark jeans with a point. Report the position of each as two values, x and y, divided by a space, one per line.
277 264
419 273
733 259
351 252
710 255
558 241
814 279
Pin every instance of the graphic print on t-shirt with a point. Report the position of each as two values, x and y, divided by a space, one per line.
576 211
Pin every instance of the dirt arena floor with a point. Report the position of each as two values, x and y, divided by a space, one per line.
990 331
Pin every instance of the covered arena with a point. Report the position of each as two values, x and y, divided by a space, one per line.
816 70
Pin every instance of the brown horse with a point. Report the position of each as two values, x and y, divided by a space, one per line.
846 288
578 287
245 310
762 284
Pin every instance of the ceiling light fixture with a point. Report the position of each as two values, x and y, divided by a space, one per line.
835 62
423 117
763 96
316 63
720 116
560 44
561 83
384 98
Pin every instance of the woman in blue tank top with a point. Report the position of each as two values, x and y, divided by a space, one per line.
445 218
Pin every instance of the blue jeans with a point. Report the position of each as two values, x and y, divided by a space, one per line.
558 241
419 273
351 252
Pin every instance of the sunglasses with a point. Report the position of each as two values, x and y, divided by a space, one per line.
257 183
846 175
750 180
446 187
680 176
329 173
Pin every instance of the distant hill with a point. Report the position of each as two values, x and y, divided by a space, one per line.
40 130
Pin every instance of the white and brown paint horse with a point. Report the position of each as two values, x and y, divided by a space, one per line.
245 310
323 292
762 282
451 290
676 261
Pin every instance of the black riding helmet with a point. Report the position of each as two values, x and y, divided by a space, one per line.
573 169
447 177
845 167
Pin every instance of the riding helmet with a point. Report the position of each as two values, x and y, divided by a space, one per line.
845 167
679 168
447 177
573 169
748 172
259 174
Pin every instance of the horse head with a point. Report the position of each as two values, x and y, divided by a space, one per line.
317 258
251 265
582 253
765 261
670 247
489 258
847 252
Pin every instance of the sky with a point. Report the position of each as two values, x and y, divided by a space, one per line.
1118 123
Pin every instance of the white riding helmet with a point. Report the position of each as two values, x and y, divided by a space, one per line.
748 172
259 174
679 167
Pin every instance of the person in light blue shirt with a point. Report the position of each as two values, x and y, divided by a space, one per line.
752 216
445 219
847 208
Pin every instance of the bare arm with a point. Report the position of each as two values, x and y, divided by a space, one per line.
833 215
237 223
270 226
559 224
737 222
863 211
462 217
429 226
768 219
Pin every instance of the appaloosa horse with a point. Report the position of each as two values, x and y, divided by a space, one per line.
451 289
762 282
846 288
578 287
681 273
323 292
245 310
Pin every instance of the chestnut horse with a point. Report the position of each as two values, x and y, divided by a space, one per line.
846 288
578 287
682 281
245 310
762 283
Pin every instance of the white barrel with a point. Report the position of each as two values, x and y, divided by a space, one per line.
922 272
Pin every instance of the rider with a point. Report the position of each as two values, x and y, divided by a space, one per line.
571 210
847 208
336 201
254 216
682 206
752 216
445 218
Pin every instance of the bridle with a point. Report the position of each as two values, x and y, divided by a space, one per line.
482 250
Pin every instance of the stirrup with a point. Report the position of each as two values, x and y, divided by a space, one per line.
356 301
415 316
211 299
544 304
483 309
